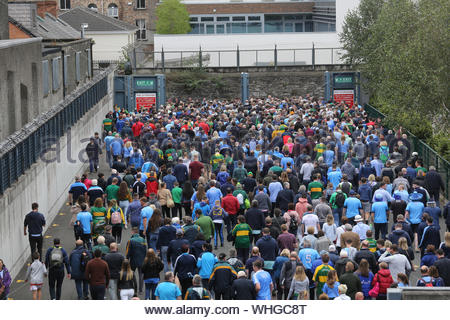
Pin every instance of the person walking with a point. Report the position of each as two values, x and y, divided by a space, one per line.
243 288
241 234
78 260
55 260
127 281
35 275
184 268
136 251
5 281
114 260
263 281
84 222
97 273
116 218
35 222
151 269
221 279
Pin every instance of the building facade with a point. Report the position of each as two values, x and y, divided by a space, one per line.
141 13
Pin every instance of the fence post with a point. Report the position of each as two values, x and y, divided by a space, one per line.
313 58
200 62
237 58
275 57
332 55
162 58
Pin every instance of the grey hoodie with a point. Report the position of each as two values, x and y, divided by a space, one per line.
36 272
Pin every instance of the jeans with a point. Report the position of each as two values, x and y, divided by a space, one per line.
126 294
112 289
140 278
152 238
218 232
55 278
337 213
380 227
82 288
97 292
150 287
93 164
177 209
36 245
165 211
242 254
109 158
123 204
167 266
87 241
117 233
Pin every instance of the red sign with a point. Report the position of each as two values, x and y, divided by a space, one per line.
348 96
145 100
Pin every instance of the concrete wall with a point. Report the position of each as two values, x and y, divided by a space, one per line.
109 46
261 84
46 184
18 59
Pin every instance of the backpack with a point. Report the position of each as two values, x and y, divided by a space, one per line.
384 154
56 257
293 226
116 216
84 259
428 283
345 187
78 230
339 200
240 198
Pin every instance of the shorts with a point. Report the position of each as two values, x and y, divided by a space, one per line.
366 206
414 227
35 287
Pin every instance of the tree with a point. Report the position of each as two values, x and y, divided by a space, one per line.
173 18
402 48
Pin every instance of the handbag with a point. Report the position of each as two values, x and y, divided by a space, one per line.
170 203
375 290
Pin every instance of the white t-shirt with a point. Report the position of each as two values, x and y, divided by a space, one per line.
310 220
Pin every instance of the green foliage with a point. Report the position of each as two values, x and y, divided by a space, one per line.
402 48
173 18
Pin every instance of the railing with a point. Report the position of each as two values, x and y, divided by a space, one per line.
24 148
430 157
237 58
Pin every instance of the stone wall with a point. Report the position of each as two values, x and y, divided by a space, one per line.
186 85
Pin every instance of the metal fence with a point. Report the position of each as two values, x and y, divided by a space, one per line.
19 152
236 58
430 157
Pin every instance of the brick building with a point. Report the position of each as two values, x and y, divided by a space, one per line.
141 13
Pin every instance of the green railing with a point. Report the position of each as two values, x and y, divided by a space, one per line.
429 156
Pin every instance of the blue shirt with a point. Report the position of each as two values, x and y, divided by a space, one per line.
146 212
169 180
109 140
285 160
328 157
331 292
415 209
116 148
274 188
307 256
167 291
205 264
213 194
264 279
365 192
85 218
377 165
335 178
353 205
379 209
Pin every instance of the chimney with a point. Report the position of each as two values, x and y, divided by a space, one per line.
4 25
46 6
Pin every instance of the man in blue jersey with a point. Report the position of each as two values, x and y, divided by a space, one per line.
380 216
263 282
84 219
76 189
352 207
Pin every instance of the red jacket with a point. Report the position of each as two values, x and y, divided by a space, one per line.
230 204
152 187
385 280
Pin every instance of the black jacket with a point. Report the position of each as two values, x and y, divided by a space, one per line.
243 289
443 266
433 181
152 270
397 234
430 236
369 256
268 248
255 219
174 249
114 261
222 276
285 197
184 266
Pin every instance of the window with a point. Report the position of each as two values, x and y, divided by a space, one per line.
113 10
193 19
223 18
45 86
254 27
89 63
93 7
239 18
77 66
308 26
254 18
207 19
55 73
209 28
141 34
140 4
220 28
65 75
239 27
64 4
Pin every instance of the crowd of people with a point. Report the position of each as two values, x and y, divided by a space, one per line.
304 190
